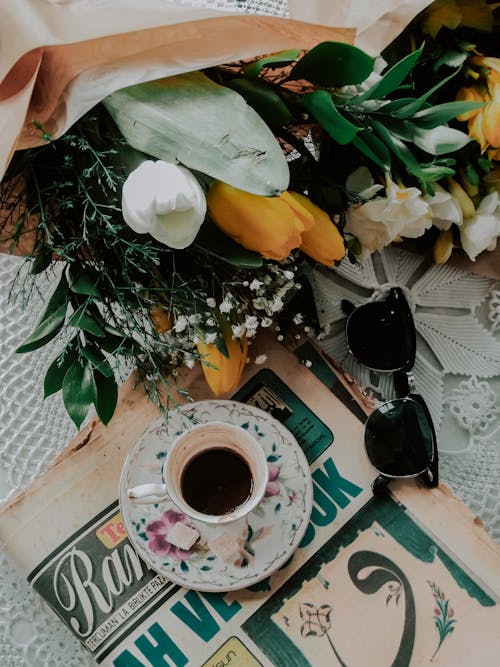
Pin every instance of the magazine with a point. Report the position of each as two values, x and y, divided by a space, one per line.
406 578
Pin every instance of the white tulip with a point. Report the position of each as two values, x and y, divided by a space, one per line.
164 200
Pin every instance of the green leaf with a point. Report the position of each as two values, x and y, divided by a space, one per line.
393 77
211 239
106 396
79 391
451 59
81 282
442 113
400 150
440 140
321 106
276 60
420 102
333 64
97 359
46 330
83 320
41 261
373 148
266 102
54 376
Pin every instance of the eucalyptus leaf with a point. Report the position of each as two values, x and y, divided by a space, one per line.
275 60
106 396
393 77
81 282
211 239
79 391
81 319
97 359
46 330
333 64
451 59
54 376
440 140
266 102
41 261
321 106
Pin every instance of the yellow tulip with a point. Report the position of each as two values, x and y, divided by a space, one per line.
224 374
323 241
271 226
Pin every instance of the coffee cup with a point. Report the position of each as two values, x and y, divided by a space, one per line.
215 473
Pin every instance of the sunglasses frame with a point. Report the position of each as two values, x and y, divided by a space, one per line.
404 382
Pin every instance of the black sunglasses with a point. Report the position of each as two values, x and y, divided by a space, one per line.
399 434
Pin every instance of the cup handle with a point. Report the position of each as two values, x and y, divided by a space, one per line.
145 494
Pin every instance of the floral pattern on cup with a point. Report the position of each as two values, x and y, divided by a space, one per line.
157 535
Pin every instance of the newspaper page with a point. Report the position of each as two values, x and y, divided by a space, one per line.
401 579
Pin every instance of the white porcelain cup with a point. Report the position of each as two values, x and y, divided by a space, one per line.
201 439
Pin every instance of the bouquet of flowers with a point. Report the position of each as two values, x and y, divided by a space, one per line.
182 214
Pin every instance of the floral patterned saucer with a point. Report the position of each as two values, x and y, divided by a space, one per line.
234 555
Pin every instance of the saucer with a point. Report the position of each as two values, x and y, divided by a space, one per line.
234 555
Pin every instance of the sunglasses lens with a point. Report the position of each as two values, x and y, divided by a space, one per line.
381 335
399 438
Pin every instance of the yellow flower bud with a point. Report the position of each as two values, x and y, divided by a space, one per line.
224 374
443 247
323 241
462 198
161 320
271 226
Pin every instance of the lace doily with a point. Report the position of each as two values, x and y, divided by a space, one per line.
457 368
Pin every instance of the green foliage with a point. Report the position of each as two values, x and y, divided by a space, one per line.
333 64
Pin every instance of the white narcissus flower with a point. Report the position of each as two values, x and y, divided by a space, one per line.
480 231
164 200
378 222
445 209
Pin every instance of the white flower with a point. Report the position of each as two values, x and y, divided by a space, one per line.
255 284
260 359
376 223
226 305
480 231
289 275
180 324
266 322
445 209
164 200
211 303
210 338
194 318
238 330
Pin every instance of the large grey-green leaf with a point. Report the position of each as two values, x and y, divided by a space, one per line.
207 127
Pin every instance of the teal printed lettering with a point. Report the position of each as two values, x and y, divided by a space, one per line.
330 490
225 610
338 488
126 659
201 621
157 653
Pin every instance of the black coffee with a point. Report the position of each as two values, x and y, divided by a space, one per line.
216 481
